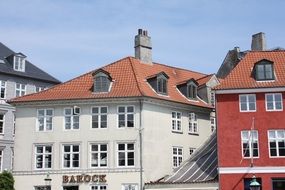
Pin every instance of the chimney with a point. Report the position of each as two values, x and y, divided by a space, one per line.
143 47
258 42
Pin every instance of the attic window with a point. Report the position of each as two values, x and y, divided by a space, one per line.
192 90
101 82
19 63
264 71
161 85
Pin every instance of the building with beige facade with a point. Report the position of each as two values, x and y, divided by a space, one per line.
117 127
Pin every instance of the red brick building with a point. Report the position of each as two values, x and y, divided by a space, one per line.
251 122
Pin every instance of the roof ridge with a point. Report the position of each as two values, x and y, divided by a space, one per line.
135 75
206 76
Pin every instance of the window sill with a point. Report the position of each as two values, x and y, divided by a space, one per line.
196 134
178 132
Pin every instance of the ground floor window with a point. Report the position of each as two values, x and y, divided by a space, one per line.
1 160
129 187
247 182
278 183
42 188
70 188
98 187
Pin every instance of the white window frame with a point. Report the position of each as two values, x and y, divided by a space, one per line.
45 117
99 114
39 88
98 186
176 123
191 150
273 102
249 144
72 115
176 162
3 87
99 152
3 124
21 89
193 123
71 153
19 63
130 186
44 154
213 123
126 151
126 113
161 83
212 98
276 139
1 159
247 102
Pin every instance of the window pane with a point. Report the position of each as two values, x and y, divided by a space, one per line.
103 109
95 110
121 109
130 109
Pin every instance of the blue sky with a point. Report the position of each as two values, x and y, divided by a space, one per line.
67 38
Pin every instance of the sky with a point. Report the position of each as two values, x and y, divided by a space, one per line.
68 38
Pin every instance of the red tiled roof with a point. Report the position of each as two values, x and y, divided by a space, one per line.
129 80
241 76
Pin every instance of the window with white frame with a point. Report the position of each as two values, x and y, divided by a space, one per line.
213 123
274 102
20 89
193 123
250 144
191 151
38 88
247 102
45 119
71 118
177 154
98 187
126 154
130 187
162 85
1 160
43 156
191 90
71 156
99 155
43 187
176 121
276 140
99 117
2 89
12 158
19 63
126 116
212 99
2 122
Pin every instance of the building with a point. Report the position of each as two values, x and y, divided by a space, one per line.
250 117
117 127
17 77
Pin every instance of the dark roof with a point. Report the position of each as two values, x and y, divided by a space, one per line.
31 71
200 167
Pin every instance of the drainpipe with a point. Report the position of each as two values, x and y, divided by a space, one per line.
140 139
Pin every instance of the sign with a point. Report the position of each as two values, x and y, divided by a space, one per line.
83 178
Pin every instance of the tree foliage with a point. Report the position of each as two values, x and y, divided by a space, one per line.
6 181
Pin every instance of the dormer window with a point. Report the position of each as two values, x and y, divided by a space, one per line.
264 71
191 90
19 63
102 82
161 85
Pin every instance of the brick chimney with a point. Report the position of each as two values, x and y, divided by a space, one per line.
258 42
143 47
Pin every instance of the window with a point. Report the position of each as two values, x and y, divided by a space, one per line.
264 71
191 91
102 83
98 187
99 117
20 89
247 102
177 154
43 156
19 63
213 123
193 123
2 121
212 99
126 116
45 119
38 88
71 156
249 144
71 116
2 89
191 151
12 158
126 154
99 155
46 187
278 183
1 160
161 85
129 187
274 102
176 121
71 187
276 140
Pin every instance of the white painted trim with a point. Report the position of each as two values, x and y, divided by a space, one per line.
242 170
250 90
99 117
126 116
274 102
247 103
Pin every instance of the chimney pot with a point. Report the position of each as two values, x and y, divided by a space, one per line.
258 42
140 31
